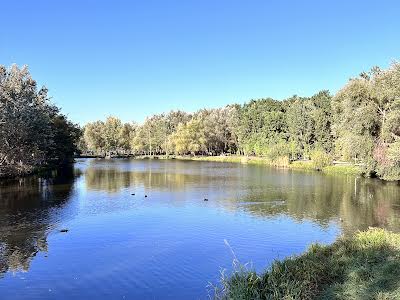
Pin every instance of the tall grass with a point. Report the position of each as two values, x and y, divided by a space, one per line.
365 266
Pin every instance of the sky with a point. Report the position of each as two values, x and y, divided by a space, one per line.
132 59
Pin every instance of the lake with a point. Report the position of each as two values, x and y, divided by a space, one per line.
172 243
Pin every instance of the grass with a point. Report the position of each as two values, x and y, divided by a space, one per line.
347 169
282 162
302 165
343 169
365 266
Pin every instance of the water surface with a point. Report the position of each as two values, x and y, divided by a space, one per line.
172 243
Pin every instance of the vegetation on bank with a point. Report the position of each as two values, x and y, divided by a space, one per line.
360 125
343 169
33 133
365 266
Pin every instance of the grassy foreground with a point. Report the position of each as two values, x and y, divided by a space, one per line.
365 266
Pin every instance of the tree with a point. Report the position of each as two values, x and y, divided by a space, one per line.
126 134
322 119
93 136
367 110
262 124
360 124
301 124
33 133
189 138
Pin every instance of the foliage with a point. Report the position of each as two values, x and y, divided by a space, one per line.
320 159
358 125
367 119
262 123
33 132
109 136
388 160
189 138
366 266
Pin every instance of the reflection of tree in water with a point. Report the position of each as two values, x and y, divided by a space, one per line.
27 215
359 202
113 180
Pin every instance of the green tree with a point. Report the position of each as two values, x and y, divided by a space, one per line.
33 133
301 124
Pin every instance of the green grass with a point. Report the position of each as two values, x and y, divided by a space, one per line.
302 165
365 266
343 169
280 163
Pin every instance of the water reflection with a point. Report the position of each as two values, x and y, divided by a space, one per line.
356 203
27 215
265 214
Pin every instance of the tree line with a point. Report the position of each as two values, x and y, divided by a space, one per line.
33 131
359 124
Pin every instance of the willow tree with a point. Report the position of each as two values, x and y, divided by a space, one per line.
366 113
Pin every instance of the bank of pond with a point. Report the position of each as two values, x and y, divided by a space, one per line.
307 165
344 168
364 266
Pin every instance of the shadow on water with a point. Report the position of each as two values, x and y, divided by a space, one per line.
28 213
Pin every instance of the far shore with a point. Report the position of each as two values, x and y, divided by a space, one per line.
344 168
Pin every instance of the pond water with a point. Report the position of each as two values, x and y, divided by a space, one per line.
172 243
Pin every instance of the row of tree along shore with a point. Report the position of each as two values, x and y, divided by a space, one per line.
359 125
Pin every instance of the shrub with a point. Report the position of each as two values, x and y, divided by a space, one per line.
320 159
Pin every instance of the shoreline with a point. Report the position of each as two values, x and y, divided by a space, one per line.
339 169
363 266
12 174
336 168
342 169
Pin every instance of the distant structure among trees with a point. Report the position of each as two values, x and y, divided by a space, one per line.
33 132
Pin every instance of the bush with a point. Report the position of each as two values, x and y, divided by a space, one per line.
320 159
278 152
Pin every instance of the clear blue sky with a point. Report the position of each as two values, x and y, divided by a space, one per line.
135 58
